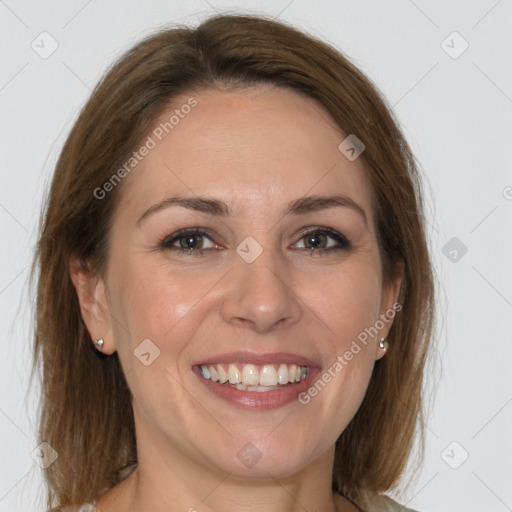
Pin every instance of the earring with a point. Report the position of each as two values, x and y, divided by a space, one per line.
383 344
98 344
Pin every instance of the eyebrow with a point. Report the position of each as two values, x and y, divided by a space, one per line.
216 207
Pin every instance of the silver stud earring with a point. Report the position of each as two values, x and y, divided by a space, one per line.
383 344
99 344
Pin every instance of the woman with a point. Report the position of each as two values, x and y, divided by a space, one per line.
235 295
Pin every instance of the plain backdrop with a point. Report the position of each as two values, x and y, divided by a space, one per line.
445 69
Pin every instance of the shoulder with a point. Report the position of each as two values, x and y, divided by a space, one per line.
383 503
91 507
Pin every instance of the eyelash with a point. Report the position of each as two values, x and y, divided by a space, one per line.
167 241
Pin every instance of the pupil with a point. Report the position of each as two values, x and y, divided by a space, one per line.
191 241
314 239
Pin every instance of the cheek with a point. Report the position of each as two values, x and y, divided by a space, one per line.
349 308
147 311
152 299
152 325
348 301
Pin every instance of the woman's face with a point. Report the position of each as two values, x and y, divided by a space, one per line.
270 277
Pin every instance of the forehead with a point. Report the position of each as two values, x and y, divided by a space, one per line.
254 148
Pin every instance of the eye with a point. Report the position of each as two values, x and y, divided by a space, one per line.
188 241
317 240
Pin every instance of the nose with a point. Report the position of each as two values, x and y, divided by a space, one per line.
261 294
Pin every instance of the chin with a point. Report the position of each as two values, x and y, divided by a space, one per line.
263 459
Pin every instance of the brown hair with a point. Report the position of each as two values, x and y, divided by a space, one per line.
86 412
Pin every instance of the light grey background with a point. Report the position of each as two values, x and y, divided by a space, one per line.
455 110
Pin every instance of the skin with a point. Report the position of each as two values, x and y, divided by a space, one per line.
256 149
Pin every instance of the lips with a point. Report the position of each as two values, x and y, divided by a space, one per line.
256 381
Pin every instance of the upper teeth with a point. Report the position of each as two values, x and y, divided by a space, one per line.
251 375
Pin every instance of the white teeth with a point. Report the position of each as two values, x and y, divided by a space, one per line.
251 379
250 375
234 376
205 372
282 374
223 377
268 375
214 375
241 387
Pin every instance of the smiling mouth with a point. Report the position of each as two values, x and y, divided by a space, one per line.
250 377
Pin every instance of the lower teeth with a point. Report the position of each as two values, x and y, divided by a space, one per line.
243 387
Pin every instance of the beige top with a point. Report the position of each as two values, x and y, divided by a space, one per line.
383 503
375 503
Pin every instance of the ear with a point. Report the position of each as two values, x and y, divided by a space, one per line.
389 306
90 290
